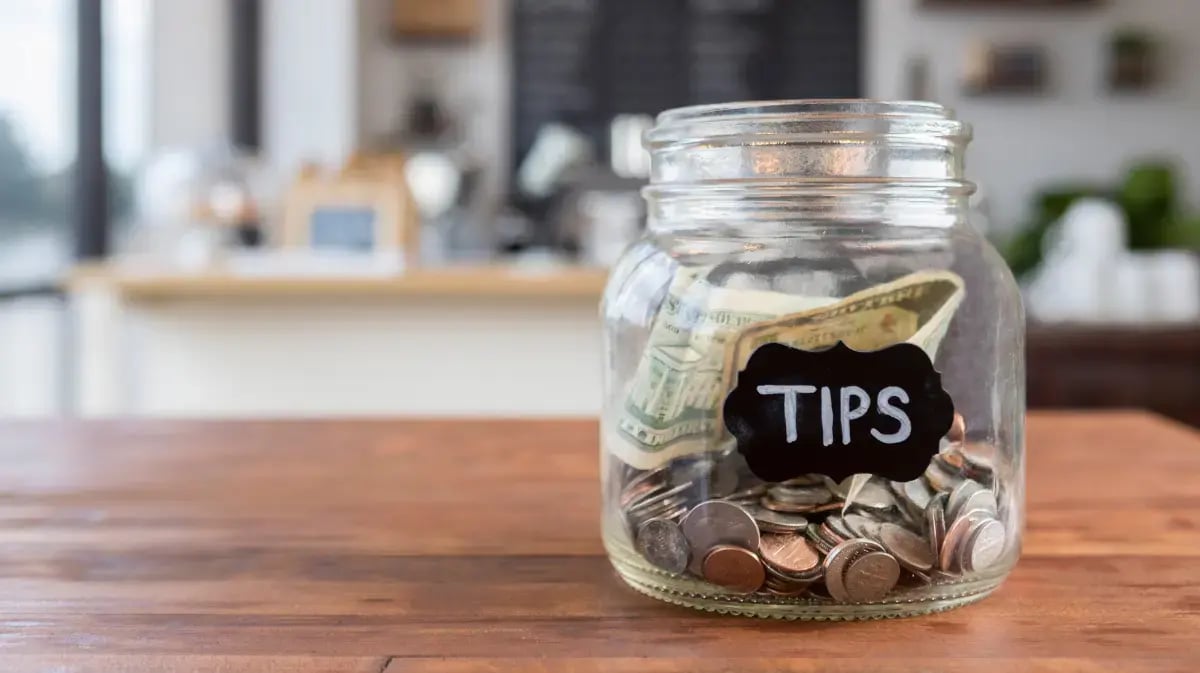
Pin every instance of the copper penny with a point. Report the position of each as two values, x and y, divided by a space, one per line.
958 429
791 554
734 568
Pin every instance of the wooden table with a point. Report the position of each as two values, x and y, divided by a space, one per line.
473 546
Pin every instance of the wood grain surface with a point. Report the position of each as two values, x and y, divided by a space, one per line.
447 547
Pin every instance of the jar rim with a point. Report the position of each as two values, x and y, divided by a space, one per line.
800 119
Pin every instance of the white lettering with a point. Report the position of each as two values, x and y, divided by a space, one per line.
887 409
789 404
848 414
826 416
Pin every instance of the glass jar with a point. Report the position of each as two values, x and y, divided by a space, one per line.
814 391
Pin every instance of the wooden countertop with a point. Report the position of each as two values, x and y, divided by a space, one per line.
485 282
445 546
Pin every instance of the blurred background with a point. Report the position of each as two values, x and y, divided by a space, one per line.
310 207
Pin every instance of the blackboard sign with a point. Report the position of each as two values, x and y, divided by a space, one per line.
584 61
838 412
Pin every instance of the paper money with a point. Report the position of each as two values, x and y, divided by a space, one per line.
704 335
668 409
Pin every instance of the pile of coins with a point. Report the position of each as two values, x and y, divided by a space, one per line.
852 542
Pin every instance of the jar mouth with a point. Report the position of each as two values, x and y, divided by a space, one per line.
796 120
807 143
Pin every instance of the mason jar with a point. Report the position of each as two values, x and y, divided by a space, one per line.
814 368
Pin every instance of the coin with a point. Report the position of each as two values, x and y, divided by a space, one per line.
659 497
716 522
935 522
941 478
959 495
827 507
982 501
751 494
958 429
917 492
984 546
980 457
835 565
838 525
790 554
956 536
777 522
952 460
633 494
862 526
662 543
805 480
734 568
875 496
870 577
818 538
656 476
911 550
776 506
800 495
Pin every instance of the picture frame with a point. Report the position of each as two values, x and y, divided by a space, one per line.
360 212
1006 69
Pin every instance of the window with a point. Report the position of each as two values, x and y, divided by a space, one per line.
37 149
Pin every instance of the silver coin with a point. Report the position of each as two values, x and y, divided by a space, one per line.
657 476
984 546
862 526
804 480
777 522
961 492
838 525
935 523
871 576
911 550
979 502
749 494
660 499
800 495
662 543
874 496
670 509
836 561
917 492
717 522
822 543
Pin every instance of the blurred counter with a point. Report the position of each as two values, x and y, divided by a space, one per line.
497 341
469 282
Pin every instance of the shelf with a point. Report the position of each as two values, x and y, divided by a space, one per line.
485 282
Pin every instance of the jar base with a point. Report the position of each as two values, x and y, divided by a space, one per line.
691 593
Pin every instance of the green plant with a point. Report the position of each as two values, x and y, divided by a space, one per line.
1148 197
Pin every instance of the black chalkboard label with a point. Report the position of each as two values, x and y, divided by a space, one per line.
838 412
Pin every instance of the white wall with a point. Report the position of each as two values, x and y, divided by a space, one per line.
311 81
1077 129
189 73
